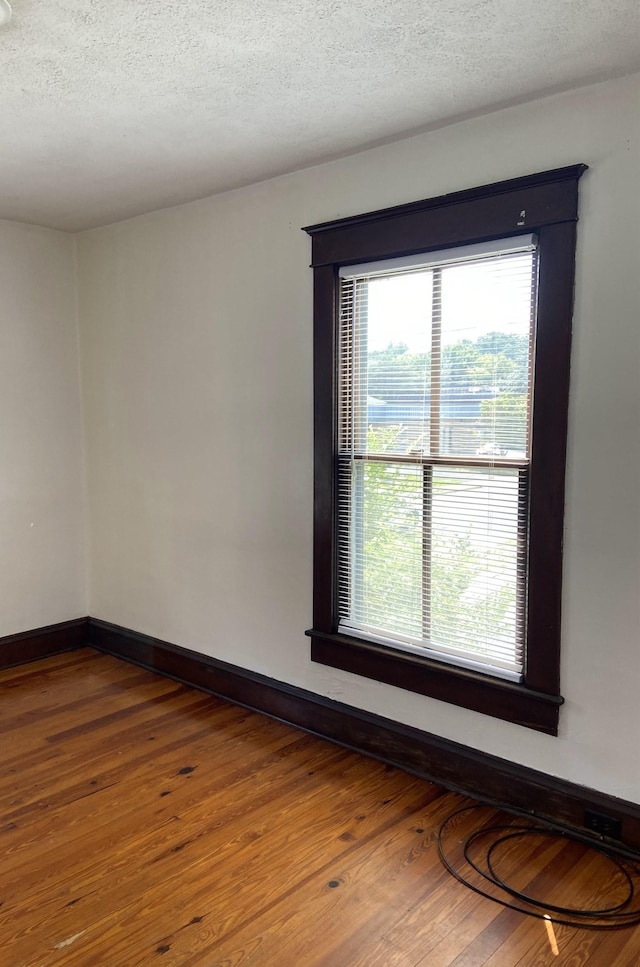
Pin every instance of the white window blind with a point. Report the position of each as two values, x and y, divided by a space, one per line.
434 433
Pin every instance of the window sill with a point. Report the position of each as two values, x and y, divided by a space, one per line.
492 696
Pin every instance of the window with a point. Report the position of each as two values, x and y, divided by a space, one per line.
442 334
434 379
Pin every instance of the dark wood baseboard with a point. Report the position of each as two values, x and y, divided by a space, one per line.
450 764
43 642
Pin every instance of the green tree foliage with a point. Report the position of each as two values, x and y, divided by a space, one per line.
461 615
391 552
391 546
502 363
459 362
496 362
504 420
397 376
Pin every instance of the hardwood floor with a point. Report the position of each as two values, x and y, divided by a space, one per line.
143 822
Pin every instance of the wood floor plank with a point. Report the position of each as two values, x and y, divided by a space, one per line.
142 822
160 791
205 797
425 933
531 944
629 955
238 844
40 669
252 838
34 690
380 874
58 771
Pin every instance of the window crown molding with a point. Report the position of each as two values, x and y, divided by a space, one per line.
511 206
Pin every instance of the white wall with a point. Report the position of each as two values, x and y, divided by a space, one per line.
42 566
197 352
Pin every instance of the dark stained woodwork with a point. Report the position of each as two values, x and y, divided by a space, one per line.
548 451
144 822
461 216
504 700
453 765
325 540
42 642
545 204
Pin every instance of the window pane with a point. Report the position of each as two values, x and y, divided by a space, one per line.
473 576
383 565
441 358
487 309
435 362
398 342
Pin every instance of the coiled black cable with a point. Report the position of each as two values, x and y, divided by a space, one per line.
625 913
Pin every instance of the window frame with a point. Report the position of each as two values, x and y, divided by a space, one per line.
547 204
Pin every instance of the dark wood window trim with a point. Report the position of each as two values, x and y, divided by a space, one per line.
547 204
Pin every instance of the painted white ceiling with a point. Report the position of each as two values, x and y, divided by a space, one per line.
112 108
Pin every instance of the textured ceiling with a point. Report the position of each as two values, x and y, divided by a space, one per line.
112 108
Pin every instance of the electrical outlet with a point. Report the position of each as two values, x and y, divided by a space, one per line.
602 824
